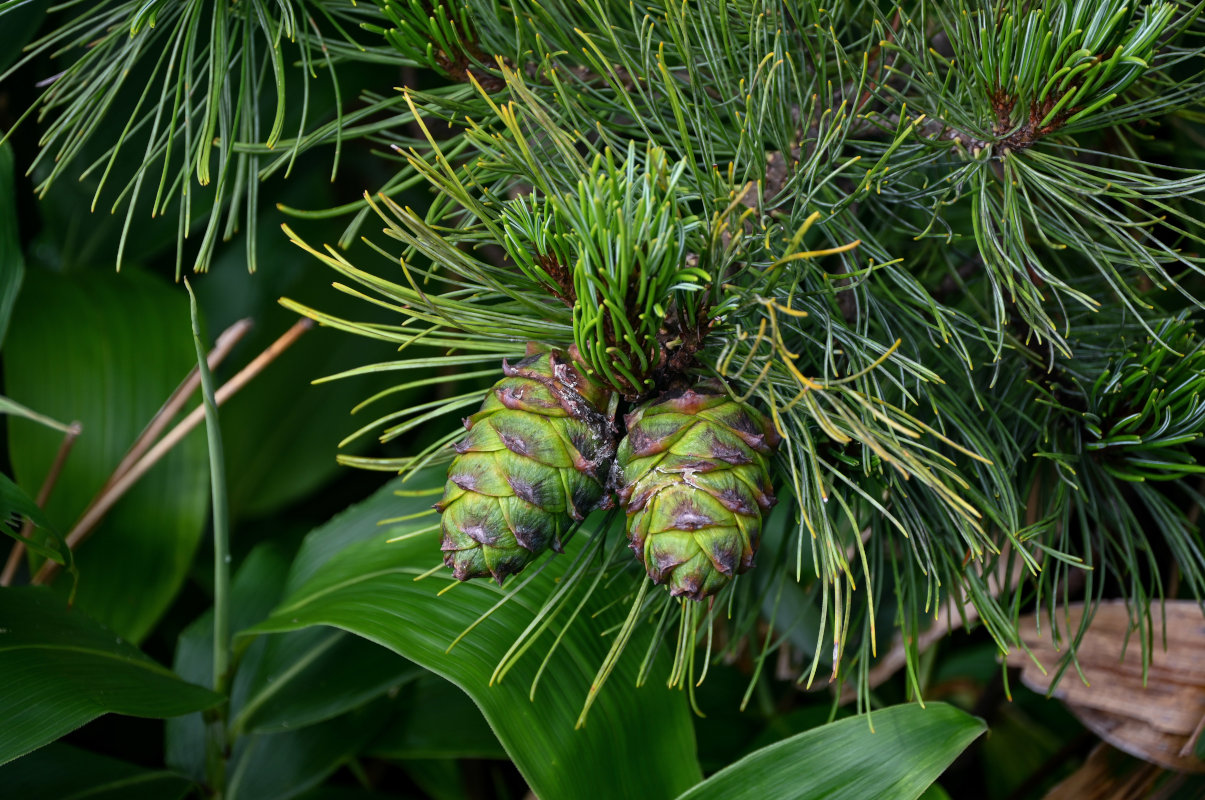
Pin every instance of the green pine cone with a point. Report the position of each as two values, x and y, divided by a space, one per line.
694 472
535 459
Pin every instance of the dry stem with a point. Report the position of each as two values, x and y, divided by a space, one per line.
117 488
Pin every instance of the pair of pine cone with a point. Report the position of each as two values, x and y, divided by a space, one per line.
692 474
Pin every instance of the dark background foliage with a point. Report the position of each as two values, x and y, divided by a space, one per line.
318 707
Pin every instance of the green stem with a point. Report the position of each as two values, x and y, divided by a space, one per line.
216 750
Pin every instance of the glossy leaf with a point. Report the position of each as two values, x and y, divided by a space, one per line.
636 741
62 669
107 350
437 720
68 773
908 749
274 766
300 703
315 675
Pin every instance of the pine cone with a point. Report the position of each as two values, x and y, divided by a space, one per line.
694 472
536 458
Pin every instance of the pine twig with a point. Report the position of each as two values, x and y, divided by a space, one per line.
953 614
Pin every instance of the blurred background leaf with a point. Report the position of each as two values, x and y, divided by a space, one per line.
636 741
62 669
19 26
69 773
301 703
436 720
275 766
107 350
314 676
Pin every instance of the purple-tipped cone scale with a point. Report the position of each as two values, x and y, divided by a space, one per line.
695 481
535 460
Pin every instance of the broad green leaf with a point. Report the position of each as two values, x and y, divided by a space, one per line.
274 766
304 698
637 742
12 263
436 720
62 669
907 750
68 773
107 350
315 675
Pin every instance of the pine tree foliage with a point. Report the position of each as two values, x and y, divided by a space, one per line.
952 251
204 91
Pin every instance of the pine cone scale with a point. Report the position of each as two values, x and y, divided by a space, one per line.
519 481
657 433
764 440
695 482
531 436
477 472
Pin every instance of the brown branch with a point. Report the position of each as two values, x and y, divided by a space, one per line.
1190 745
464 66
221 348
110 495
48 483
1007 135
561 275
163 416
936 129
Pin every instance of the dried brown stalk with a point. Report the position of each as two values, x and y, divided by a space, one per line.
117 488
